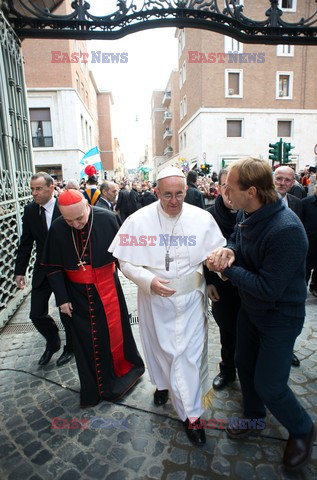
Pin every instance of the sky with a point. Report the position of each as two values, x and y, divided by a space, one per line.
151 56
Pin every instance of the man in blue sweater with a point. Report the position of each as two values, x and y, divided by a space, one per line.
265 259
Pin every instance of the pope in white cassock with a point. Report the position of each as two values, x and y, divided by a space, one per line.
162 248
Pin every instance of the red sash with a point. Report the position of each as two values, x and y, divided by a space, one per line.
102 278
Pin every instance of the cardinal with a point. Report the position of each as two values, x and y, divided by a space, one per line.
83 276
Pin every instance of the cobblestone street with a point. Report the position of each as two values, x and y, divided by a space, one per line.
131 439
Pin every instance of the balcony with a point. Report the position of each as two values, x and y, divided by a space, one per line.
167 116
168 151
40 141
168 133
167 98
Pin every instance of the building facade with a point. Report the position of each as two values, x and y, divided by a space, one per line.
235 99
165 124
68 114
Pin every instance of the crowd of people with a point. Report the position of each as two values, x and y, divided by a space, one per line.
245 238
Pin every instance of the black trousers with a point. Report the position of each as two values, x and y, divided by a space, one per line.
225 312
41 319
263 358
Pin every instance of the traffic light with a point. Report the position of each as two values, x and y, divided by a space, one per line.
275 151
207 169
287 147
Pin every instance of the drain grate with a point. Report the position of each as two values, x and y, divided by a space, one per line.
29 327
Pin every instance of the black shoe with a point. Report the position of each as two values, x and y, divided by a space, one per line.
295 361
49 352
160 397
195 432
221 381
66 356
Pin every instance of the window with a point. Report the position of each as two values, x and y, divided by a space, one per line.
80 61
184 72
181 110
180 78
185 140
86 98
41 127
77 83
234 128
284 85
284 128
234 83
184 106
285 50
183 39
82 91
181 42
86 134
232 45
179 45
83 130
181 142
287 5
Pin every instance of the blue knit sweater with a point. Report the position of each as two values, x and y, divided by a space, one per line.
270 247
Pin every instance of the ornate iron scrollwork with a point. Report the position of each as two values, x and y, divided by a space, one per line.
128 18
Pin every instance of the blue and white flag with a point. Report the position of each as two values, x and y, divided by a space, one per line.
92 157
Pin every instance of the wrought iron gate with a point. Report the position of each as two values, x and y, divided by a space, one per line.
15 164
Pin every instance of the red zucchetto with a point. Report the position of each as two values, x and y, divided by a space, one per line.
70 197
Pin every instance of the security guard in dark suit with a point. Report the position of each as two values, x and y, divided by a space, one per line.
37 219
284 180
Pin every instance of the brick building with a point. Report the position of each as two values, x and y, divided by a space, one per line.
235 99
68 114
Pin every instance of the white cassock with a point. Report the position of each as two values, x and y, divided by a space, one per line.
173 329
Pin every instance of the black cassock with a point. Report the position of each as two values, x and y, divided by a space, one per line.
107 358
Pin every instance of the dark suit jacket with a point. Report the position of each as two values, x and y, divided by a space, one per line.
102 203
295 204
310 224
123 203
135 201
194 196
32 231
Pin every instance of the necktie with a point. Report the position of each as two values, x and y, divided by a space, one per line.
43 218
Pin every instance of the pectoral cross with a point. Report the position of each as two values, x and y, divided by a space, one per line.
168 260
81 264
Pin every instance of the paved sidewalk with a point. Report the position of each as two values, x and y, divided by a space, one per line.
131 439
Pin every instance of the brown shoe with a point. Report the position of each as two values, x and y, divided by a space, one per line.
298 450
236 433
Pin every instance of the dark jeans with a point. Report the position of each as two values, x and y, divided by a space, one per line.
42 321
225 312
263 359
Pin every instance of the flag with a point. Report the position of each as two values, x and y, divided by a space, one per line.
92 157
